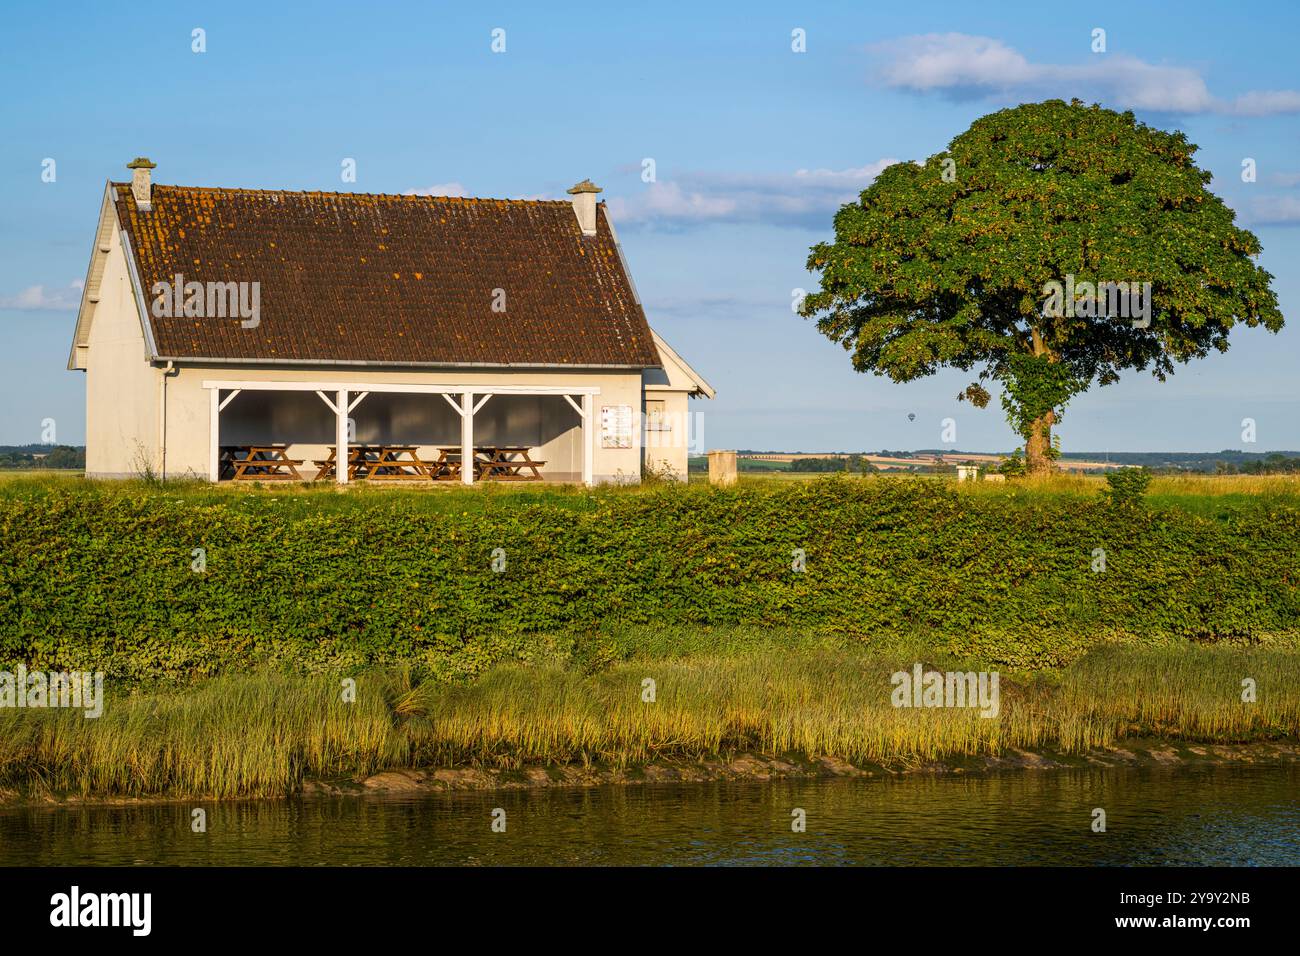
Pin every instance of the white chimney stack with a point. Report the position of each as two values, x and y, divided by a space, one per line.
141 186
584 205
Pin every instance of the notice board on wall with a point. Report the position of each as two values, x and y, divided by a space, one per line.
616 426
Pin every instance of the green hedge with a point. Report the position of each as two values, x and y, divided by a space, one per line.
103 577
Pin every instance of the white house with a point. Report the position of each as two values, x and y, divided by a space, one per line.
225 318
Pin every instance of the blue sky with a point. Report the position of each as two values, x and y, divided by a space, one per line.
754 146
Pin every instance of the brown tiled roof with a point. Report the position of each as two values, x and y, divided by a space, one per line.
390 280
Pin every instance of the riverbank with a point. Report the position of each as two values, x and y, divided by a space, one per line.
745 767
760 767
761 712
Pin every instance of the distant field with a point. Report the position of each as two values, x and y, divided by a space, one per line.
1163 488
919 460
8 474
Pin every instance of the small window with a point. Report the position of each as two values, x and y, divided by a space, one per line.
656 416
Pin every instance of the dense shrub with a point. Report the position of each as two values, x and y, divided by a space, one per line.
1128 485
103 578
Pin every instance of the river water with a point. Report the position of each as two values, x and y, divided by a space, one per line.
1187 816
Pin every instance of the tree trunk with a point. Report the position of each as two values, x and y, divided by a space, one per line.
1039 445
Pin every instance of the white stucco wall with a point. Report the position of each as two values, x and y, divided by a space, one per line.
668 447
121 386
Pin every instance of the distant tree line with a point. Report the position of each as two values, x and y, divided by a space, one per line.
1229 461
42 456
860 463
1273 464
851 463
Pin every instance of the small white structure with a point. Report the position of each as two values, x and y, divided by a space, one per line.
968 472
214 318
722 467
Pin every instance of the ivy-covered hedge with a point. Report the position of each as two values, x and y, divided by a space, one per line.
101 578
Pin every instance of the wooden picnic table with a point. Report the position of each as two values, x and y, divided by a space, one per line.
506 463
378 462
328 465
392 462
402 462
447 465
491 463
260 463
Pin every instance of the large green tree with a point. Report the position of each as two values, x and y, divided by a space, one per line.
949 262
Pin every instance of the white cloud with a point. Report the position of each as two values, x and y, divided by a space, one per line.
1276 211
806 198
441 189
950 60
37 298
1268 103
963 66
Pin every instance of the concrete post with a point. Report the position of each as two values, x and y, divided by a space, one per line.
722 468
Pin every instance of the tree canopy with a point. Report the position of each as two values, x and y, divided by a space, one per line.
951 262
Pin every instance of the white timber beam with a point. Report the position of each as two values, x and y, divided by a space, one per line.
214 432
341 436
467 438
588 438
453 389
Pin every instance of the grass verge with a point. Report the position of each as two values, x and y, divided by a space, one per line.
262 735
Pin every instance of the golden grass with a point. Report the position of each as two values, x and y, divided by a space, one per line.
1282 485
261 735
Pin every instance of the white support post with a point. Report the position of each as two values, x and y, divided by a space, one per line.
341 436
214 430
588 438
467 437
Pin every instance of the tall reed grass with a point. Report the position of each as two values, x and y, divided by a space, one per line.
262 735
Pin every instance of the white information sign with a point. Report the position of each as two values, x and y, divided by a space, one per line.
616 426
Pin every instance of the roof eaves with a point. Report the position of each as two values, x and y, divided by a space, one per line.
354 363
146 320
701 386
85 307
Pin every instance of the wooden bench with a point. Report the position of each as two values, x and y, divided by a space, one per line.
393 463
507 463
262 463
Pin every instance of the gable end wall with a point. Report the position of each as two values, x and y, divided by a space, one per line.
121 386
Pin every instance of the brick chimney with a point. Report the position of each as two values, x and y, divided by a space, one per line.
141 187
584 205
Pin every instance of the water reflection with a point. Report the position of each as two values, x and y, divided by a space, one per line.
1202 816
